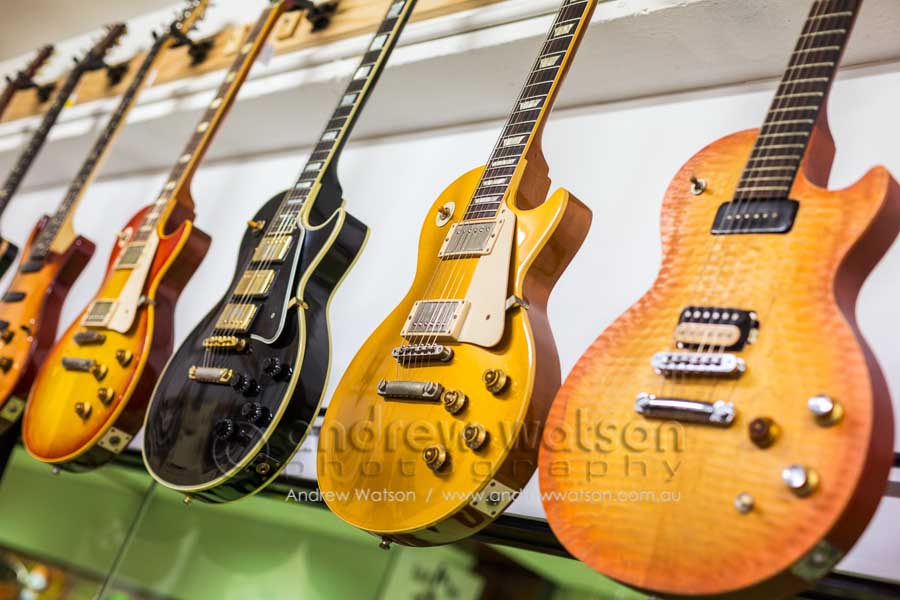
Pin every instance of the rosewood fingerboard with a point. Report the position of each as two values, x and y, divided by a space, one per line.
197 145
779 150
23 78
531 108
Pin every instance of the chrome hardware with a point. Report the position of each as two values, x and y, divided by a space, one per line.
698 186
744 503
211 375
454 401
422 352
440 319
470 239
495 380
272 248
516 302
802 481
436 457
825 410
106 395
83 410
719 413
124 357
445 213
423 391
764 431
475 436
89 338
225 342
85 365
698 364
384 544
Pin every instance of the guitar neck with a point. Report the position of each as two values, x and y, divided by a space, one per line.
327 151
779 150
521 132
179 179
20 81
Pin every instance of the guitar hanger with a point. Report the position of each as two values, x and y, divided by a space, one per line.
23 81
114 73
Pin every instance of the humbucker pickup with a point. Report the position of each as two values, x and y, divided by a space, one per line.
99 313
727 329
130 257
32 265
225 342
255 283
211 375
441 319
698 364
237 317
470 239
422 391
425 353
272 248
755 216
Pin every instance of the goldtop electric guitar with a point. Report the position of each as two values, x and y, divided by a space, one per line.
731 434
238 397
433 428
55 256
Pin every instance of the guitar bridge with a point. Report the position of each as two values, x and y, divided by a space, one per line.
210 375
698 364
422 391
719 413
425 353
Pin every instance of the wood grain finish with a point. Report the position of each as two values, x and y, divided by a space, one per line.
616 503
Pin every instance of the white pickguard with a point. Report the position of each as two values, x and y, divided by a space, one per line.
129 301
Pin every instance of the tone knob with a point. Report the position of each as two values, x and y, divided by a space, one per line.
802 481
256 413
124 357
825 410
106 395
436 457
7 335
454 401
6 363
83 410
224 430
99 371
764 431
495 380
475 436
276 369
245 385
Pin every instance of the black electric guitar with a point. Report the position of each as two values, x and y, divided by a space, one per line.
237 399
24 79
91 61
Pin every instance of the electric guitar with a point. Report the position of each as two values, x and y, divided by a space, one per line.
442 407
24 79
54 257
738 429
238 397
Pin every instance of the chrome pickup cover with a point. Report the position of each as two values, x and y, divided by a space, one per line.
422 391
440 319
422 352
470 239
698 364
718 413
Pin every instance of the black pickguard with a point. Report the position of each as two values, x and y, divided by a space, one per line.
180 445
7 256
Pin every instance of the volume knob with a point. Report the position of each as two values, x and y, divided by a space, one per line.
256 413
276 369
436 457
224 430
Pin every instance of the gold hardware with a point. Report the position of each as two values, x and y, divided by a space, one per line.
256 225
435 457
106 395
236 317
255 283
226 342
7 336
475 436
187 500
83 410
263 468
6 364
124 357
495 380
272 249
454 401
210 375
99 371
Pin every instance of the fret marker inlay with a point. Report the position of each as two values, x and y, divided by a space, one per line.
513 140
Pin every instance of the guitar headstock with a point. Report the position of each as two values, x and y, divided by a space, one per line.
187 18
38 61
109 40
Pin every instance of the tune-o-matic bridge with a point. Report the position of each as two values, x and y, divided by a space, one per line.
425 353
470 239
225 342
698 364
272 248
441 319
711 327
755 216
422 391
718 413
237 317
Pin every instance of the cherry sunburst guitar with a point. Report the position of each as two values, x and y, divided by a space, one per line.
738 429
54 257
442 407
238 397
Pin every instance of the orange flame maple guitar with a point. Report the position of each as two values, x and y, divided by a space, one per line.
453 387
738 429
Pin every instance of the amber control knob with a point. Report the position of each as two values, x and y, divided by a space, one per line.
475 436
124 357
495 380
83 410
7 335
454 401
825 410
764 431
106 395
802 481
99 371
436 457
6 363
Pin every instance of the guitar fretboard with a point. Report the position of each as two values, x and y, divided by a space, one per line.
203 134
531 107
327 150
783 139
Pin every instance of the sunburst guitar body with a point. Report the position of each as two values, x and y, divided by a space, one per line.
29 316
755 483
89 398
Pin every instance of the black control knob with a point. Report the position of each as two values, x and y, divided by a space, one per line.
245 385
276 369
256 413
224 430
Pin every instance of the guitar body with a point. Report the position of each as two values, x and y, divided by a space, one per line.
52 430
8 253
703 510
31 322
373 444
181 446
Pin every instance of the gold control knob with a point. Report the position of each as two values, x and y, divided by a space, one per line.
106 395
123 357
454 401
99 371
475 436
825 409
802 481
6 363
83 410
764 431
495 380
436 457
7 336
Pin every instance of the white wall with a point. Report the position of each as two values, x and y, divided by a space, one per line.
616 158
